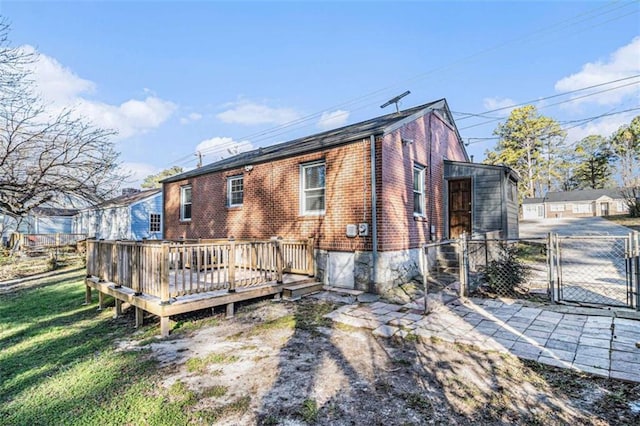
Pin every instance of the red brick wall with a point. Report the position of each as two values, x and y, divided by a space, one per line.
399 228
272 194
271 205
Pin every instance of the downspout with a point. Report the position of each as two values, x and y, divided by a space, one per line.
374 218
432 230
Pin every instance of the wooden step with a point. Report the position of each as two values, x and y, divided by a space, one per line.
296 291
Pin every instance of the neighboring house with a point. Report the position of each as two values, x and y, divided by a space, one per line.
368 227
40 220
533 208
135 215
583 203
49 220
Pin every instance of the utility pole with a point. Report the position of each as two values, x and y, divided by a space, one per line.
199 155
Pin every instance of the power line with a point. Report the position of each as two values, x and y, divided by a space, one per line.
557 103
581 122
560 26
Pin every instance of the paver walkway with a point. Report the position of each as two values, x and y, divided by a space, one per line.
601 345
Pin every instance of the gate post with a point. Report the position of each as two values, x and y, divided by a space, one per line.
636 266
424 269
464 264
550 275
553 265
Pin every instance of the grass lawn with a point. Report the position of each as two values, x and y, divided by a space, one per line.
625 220
59 365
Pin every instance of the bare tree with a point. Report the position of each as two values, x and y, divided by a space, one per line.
44 157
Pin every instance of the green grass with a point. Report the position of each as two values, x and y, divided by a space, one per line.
58 364
200 365
309 410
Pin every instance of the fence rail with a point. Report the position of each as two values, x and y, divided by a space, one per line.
173 269
36 241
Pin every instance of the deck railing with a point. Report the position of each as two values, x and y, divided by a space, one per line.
172 269
31 241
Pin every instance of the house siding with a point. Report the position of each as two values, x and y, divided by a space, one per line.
271 204
400 229
271 201
52 224
120 222
140 218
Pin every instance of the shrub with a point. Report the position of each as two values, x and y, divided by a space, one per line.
507 272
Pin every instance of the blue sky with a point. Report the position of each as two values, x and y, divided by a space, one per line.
179 77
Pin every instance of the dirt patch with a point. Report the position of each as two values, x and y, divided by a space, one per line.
283 363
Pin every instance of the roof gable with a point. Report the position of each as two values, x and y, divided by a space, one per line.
127 199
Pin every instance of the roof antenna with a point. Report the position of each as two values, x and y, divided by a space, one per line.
395 101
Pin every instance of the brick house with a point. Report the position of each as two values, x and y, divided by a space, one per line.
368 227
579 203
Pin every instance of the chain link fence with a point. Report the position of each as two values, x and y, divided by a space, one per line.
592 270
507 268
589 270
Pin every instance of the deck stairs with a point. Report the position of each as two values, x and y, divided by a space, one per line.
301 288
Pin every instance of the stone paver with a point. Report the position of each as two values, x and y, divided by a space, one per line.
601 345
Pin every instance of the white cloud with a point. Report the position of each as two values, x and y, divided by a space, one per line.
129 118
331 120
56 82
138 172
194 116
497 103
622 63
61 88
215 148
251 113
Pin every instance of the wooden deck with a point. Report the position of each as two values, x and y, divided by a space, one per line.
171 278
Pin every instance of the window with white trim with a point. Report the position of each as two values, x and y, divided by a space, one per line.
235 191
582 208
185 202
556 207
155 222
312 188
418 190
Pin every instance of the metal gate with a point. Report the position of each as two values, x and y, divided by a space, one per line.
595 270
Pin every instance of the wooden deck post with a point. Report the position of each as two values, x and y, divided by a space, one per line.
100 300
230 310
164 276
134 267
87 295
113 270
117 274
118 309
164 326
232 265
100 260
310 257
139 317
279 261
